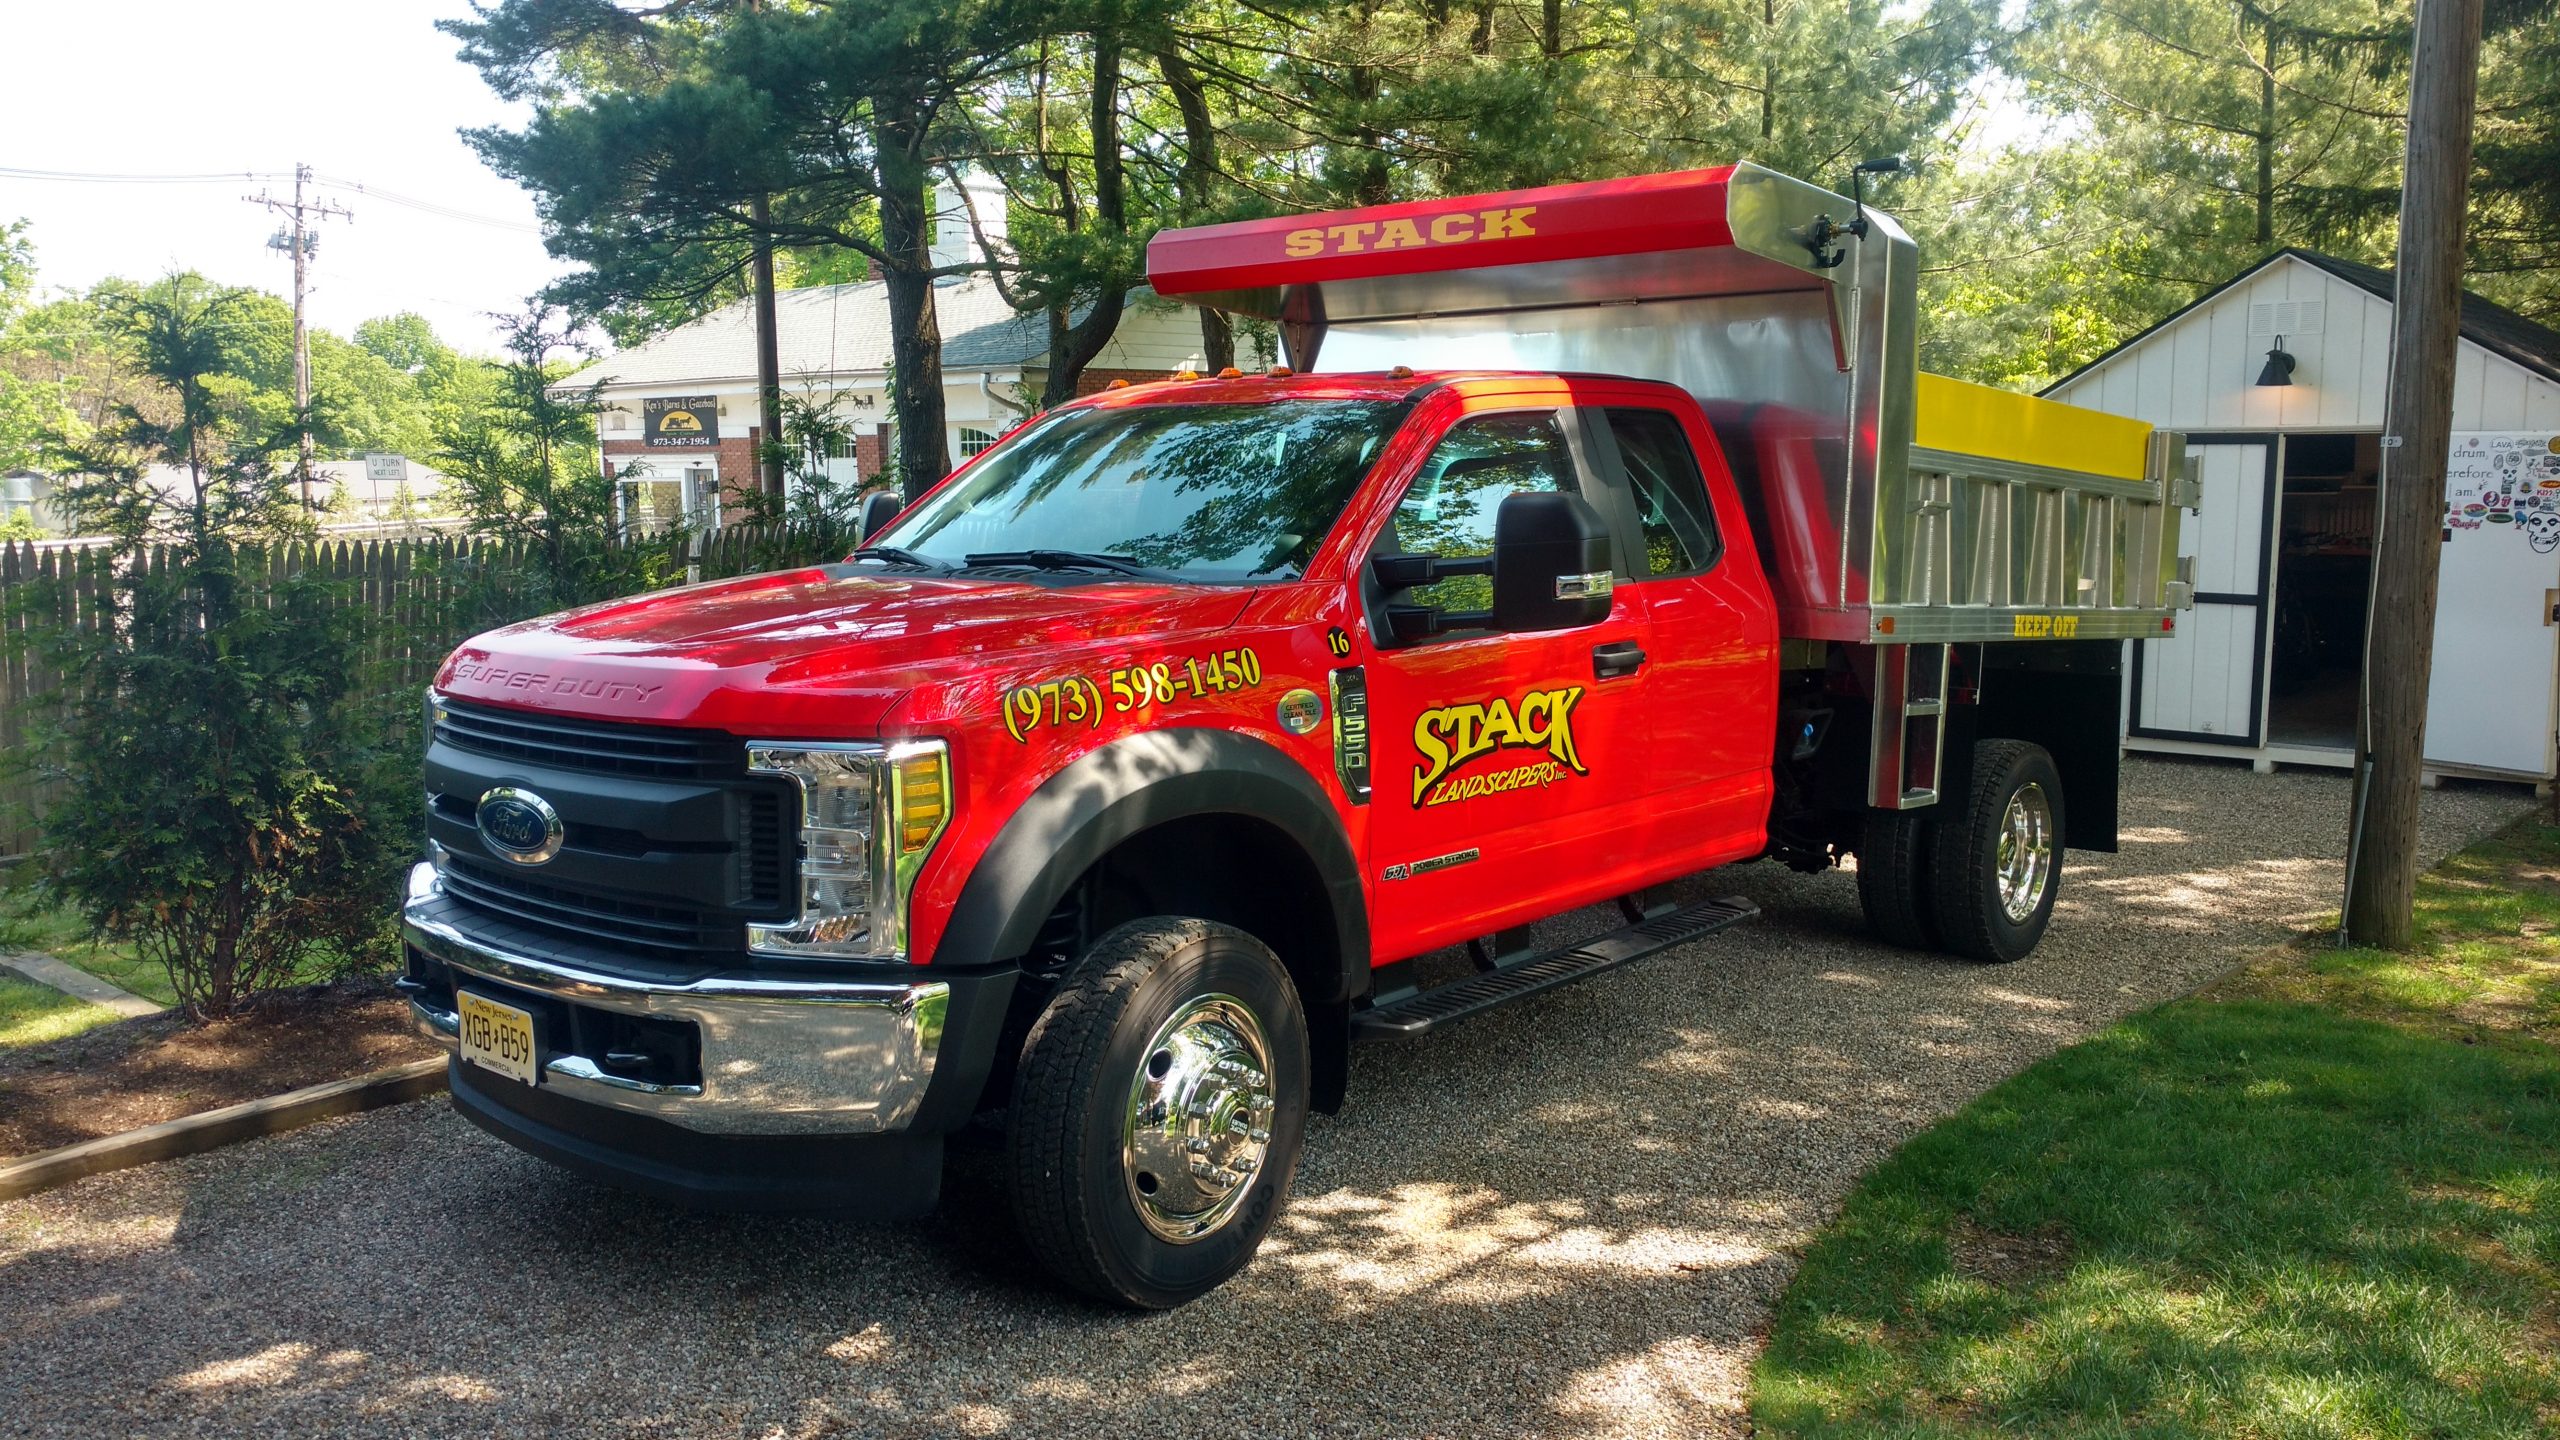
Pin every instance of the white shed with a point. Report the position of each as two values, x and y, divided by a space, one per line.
2278 379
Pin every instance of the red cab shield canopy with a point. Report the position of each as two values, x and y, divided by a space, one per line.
1735 229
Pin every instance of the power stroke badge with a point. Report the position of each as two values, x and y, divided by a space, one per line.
1463 750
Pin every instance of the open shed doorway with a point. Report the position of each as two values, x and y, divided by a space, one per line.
2324 574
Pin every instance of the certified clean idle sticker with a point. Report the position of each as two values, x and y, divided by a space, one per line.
1300 711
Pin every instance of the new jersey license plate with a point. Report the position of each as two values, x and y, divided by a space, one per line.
497 1037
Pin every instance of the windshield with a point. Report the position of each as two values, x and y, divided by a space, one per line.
1197 492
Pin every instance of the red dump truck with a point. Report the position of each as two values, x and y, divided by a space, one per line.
1594 536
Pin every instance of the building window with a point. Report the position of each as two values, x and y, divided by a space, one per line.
662 497
974 442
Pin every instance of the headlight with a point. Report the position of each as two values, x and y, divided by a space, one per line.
869 815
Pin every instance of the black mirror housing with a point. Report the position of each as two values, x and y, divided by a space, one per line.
1552 563
878 509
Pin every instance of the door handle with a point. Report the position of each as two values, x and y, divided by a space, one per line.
1615 662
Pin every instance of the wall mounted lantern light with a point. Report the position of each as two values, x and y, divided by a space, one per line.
2279 367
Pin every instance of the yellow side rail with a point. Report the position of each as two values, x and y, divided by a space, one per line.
1968 419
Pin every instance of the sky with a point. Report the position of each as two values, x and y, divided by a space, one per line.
366 92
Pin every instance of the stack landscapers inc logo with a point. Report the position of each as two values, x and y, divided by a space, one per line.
1449 739
686 423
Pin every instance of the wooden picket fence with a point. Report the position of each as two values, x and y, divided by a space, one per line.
416 599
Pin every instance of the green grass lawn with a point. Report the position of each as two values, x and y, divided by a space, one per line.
28 924
31 1014
2319 1199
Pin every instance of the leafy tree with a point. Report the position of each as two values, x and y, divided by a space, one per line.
369 404
47 370
2247 124
1073 237
655 134
2514 247
33 402
525 468
210 728
450 385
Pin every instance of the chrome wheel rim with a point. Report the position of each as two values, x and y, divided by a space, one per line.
1198 1125
2024 862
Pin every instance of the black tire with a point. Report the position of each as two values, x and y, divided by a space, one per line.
1893 877
1973 919
1074 1199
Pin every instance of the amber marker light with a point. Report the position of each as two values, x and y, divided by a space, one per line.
921 802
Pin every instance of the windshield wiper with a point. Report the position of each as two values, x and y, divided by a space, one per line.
1066 560
899 555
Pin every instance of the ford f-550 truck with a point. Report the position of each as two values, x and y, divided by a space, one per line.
1593 537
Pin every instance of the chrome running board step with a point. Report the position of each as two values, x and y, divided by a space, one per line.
1414 1012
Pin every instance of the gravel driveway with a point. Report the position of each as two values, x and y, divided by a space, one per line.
1567 1218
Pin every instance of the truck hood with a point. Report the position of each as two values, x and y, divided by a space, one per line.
814 652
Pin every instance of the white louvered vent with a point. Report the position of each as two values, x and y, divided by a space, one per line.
2287 317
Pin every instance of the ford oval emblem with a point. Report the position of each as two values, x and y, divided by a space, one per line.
519 825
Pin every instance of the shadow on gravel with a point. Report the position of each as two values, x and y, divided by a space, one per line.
1564 1219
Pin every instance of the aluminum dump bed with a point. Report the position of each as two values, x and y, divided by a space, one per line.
1895 508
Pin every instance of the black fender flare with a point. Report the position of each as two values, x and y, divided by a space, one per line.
1131 785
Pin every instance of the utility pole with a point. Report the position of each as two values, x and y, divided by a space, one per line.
768 353
768 348
299 238
2400 622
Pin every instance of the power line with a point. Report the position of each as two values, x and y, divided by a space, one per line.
431 207
373 192
87 177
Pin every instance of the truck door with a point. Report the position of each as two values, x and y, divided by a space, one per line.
1712 703
1506 765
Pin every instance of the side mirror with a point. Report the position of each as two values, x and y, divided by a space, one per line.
878 509
1552 569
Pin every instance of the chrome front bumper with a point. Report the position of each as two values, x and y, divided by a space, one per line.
779 1057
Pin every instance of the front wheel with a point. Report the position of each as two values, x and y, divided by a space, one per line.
1159 1111
1998 864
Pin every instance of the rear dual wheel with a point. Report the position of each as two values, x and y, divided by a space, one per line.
1159 1112
1974 875
1998 861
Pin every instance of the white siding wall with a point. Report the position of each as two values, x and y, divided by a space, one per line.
1161 335
2197 373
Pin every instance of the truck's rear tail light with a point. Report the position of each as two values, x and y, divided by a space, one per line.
869 814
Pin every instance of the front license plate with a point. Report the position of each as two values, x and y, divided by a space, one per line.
497 1037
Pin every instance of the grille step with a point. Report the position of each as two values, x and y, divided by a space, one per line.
1418 1012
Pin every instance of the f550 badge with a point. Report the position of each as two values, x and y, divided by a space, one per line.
1450 738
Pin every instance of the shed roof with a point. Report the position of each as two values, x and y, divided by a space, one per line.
2485 323
827 330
